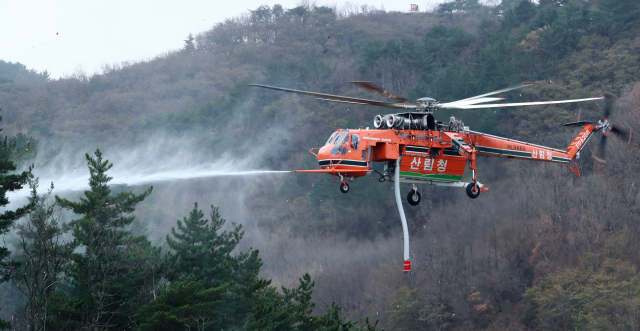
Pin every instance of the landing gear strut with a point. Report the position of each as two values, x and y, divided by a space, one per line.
414 196
473 189
344 187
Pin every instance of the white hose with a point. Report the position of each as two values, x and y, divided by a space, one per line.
405 230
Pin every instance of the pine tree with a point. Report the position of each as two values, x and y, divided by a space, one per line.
9 183
108 279
524 11
202 251
303 295
272 311
619 16
292 310
203 264
188 304
189 46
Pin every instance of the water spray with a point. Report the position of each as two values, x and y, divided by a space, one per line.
79 180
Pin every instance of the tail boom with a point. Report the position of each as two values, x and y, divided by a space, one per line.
494 146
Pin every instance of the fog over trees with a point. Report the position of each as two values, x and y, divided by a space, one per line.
541 250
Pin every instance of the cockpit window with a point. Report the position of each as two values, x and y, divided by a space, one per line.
333 135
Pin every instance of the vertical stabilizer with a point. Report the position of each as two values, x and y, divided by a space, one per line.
580 141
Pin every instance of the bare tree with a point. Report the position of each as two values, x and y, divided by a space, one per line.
44 250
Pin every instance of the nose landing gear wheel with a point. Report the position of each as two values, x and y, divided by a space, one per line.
344 187
413 197
473 191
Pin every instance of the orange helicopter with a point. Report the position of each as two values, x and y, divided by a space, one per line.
418 149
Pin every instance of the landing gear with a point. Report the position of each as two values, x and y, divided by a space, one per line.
473 190
413 198
344 187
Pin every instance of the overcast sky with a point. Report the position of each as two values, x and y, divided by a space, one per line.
63 36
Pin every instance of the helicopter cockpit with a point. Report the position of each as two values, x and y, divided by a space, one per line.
342 143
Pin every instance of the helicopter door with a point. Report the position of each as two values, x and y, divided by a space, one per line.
434 153
355 141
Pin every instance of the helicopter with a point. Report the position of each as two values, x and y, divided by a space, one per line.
418 149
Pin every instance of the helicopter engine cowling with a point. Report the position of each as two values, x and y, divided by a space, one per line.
408 121
378 121
404 121
393 120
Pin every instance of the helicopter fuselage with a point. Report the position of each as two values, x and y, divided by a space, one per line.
435 157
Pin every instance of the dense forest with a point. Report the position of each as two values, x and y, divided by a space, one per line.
541 250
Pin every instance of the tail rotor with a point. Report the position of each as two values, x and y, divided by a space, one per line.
600 155
623 134
605 127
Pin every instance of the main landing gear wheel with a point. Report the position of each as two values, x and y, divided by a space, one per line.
344 187
473 190
414 197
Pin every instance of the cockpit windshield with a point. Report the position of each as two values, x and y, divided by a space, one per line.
341 138
333 135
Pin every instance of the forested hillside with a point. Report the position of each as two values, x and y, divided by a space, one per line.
542 249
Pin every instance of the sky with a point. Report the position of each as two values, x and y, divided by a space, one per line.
65 36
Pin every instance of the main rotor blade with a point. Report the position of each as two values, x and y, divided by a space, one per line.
473 101
339 98
385 93
487 94
449 106
342 101
609 100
